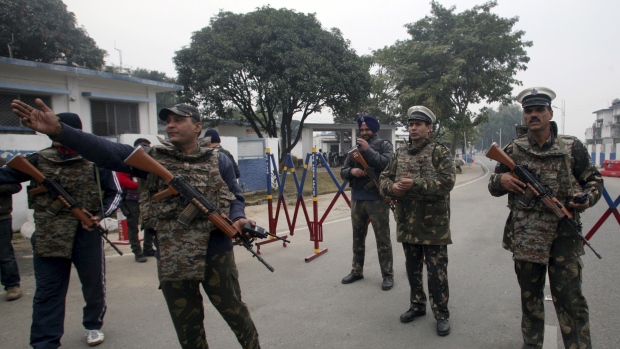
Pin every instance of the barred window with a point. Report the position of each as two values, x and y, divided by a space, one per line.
114 118
9 123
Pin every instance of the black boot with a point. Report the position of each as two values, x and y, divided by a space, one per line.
443 327
140 258
351 278
388 283
411 314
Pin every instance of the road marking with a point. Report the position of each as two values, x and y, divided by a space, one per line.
551 337
486 171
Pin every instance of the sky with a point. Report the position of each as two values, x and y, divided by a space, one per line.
574 51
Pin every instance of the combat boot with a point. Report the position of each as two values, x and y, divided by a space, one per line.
13 293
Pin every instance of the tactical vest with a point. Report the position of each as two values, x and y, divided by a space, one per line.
533 228
182 249
421 218
55 234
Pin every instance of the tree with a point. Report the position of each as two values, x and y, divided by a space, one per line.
44 31
382 101
454 60
271 65
502 122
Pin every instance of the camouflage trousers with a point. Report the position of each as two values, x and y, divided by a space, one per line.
222 287
437 277
377 212
570 304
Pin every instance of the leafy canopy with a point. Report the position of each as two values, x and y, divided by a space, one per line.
268 66
454 60
44 31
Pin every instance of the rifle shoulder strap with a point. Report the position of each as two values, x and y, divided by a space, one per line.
568 171
100 197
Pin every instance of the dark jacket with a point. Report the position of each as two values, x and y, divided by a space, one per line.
377 156
6 200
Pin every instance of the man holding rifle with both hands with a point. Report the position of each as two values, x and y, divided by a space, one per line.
192 252
540 231
366 202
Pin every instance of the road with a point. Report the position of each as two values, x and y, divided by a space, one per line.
304 305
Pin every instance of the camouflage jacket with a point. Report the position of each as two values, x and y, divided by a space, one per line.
377 156
423 214
532 231
183 250
55 234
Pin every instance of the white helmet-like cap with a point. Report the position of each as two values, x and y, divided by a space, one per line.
536 96
419 112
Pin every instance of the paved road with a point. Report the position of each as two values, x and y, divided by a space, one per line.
304 305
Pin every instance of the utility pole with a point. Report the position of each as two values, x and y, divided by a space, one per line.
120 54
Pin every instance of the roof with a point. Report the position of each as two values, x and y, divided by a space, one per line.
88 72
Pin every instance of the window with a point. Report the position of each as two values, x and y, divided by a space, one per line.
114 118
8 121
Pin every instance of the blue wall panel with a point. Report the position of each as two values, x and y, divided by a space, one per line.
253 174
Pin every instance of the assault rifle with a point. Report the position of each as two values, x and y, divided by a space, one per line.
370 172
63 199
198 203
536 190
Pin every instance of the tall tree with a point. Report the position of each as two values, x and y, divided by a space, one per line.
44 31
454 60
501 124
271 65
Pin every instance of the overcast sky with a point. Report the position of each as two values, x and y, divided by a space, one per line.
575 51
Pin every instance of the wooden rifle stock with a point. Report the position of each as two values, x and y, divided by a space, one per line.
496 153
357 156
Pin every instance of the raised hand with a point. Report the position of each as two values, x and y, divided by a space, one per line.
41 120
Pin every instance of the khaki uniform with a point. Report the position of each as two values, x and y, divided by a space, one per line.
423 218
538 241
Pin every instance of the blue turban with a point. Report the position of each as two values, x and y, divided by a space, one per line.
370 121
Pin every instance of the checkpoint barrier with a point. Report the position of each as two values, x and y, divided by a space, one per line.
613 208
315 225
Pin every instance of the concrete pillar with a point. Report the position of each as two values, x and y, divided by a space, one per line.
597 156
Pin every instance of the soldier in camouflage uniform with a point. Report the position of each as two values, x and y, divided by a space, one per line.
366 202
198 254
420 176
533 234
62 240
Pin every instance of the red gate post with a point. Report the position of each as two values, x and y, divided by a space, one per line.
316 226
273 221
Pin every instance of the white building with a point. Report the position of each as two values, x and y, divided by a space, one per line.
603 138
108 104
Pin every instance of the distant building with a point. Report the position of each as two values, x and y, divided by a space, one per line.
603 138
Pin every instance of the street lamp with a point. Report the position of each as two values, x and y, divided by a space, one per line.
563 109
500 137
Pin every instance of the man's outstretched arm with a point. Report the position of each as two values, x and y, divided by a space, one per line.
97 149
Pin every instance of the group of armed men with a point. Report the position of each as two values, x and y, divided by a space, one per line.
416 179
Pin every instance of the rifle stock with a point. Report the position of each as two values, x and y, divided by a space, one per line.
177 185
496 153
355 154
63 199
